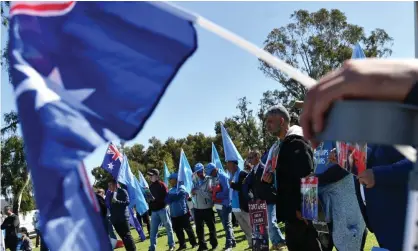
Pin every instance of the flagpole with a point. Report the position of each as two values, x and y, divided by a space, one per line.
408 151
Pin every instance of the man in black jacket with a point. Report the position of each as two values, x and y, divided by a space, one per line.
290 159
238 188
119 214
160 212
265 191
11 226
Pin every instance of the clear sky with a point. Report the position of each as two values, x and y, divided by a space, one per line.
208 86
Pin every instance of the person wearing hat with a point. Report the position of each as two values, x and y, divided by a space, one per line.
203 204
239 192
177 200
160 212
25 242
222 194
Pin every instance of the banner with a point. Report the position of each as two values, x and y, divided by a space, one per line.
309 190
259 223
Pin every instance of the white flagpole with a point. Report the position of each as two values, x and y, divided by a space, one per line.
408 151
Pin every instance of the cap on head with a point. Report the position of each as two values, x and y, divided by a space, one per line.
209 168
173 176
279 110
198 168
153 172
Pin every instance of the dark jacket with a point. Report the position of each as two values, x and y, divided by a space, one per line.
119 208
390 193
260 189
159 191
242 190
102 205
295 161
11 226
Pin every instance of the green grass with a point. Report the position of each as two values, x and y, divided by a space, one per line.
239 236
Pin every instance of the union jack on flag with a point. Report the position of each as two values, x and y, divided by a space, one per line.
113 160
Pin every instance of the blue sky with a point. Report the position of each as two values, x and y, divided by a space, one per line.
208 86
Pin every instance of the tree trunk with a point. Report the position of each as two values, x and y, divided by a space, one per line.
18 197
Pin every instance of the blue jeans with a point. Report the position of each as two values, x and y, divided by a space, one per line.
276 236
226 219
157 217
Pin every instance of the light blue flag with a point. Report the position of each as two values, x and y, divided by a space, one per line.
166 174
185 174
216 160
231 152
136 196
358 52
142 181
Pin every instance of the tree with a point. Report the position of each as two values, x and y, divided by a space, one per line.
15 179
5 6
101 177
317 43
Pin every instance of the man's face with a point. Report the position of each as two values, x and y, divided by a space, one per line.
214 172
153 178
200 174
7 211
254 159
112 187
273 124
173 182
231 167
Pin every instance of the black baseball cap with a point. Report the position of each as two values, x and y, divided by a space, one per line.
153 172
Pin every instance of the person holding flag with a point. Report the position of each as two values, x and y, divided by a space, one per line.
177 200
239 195
119 214
222 195
203 205
159 210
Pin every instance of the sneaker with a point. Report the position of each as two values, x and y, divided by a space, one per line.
171 248
227 249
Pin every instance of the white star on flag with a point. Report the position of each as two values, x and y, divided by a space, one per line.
110 166
50 89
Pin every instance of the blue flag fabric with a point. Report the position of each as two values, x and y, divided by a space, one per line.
136 197
85 73
112 160
358 52
166 174
142 181
216 160
185 174
231 152
134 222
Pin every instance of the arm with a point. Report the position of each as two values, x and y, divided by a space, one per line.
179 195
125 198
239 186
224 193
393 175
4 225
302 164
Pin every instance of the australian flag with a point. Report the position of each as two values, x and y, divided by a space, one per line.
112 161
85 73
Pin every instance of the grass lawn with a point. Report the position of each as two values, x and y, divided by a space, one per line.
239 236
